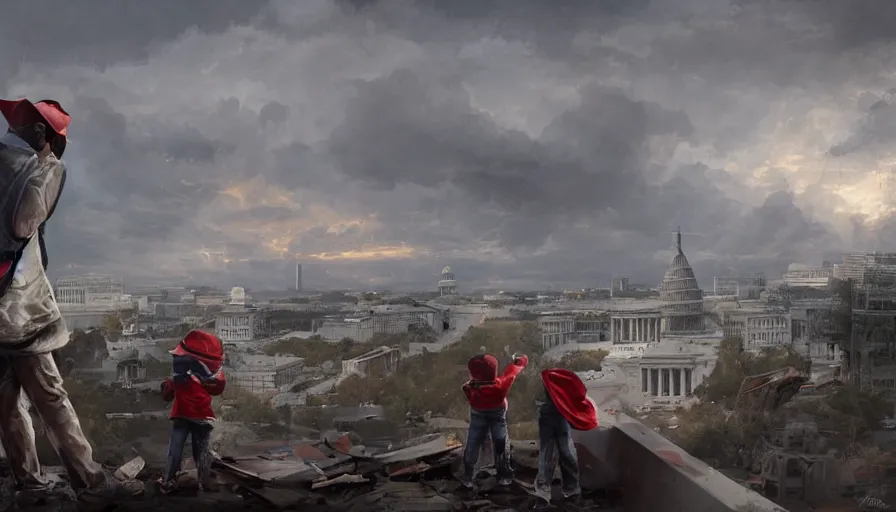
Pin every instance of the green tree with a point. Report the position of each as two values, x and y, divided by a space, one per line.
734 365
583 360
112 327
84 350
432 381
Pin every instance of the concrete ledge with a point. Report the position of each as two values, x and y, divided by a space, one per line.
655 474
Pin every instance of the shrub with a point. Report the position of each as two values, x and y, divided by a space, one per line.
316 352
583 360
432 381
245 406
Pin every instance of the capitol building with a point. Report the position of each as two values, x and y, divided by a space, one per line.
660 349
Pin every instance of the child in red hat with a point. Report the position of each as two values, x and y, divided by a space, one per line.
487 393
197 376
564 406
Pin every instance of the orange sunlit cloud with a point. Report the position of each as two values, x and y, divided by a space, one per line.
385 252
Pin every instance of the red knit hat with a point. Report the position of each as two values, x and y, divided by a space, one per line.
202 346
483 367
22 112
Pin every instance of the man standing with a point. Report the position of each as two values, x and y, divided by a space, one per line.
31 326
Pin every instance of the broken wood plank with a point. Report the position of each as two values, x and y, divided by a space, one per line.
341 479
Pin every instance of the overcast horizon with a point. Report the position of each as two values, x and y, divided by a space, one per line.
525 145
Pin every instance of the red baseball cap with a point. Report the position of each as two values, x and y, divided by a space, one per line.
20 112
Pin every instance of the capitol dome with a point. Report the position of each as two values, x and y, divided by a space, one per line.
447 284
682 297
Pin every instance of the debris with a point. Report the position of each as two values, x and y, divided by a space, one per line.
131 469
436 444
415 475
768 391
341 479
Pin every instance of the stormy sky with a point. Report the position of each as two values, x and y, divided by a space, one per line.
523 142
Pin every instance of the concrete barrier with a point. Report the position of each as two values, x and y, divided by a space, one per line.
654 474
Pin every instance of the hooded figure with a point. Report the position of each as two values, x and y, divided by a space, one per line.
198 355
487 394
563 406
197 376
31 326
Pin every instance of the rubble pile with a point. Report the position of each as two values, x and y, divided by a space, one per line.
335 473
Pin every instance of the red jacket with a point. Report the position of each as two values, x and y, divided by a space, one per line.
192 399
570 396
486 390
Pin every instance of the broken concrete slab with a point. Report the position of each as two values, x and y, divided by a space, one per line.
131 469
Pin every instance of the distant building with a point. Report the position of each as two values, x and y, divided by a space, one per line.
801 276
141 302
170 310
447 284
757 329
241 324
670 372
91 292
876 268
214 299
237 296
557 329
265 374
391 319
501 297
744 288
130 370
298 277
682 297
632 321
619 285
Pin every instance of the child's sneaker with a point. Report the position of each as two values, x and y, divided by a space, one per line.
165 487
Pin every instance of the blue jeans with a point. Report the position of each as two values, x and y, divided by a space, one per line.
554 432
200 434
482 424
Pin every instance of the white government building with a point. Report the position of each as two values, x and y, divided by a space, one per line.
91 292
660 350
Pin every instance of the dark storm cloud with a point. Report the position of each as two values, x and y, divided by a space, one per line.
779 229
103 32
589 160
854 24
524 141
876 131
168 171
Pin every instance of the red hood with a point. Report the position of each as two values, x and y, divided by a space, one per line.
568 393
202 346
483 368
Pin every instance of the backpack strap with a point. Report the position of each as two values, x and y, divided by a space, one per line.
44 259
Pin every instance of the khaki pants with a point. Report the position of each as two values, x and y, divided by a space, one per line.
39 378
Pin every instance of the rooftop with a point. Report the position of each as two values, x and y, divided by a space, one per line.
344 471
